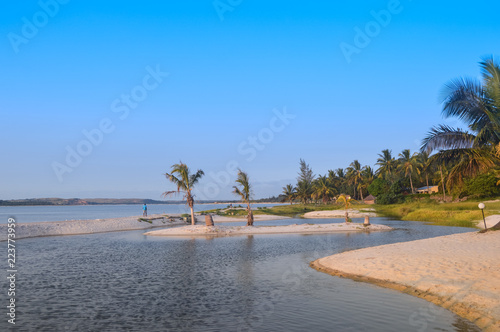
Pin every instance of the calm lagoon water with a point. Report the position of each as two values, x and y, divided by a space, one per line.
125 281
25 214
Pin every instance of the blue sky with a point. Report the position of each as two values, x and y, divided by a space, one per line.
250 84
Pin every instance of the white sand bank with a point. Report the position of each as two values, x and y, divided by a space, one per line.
242 230
258 217
338 214
490 221
73 227
458 272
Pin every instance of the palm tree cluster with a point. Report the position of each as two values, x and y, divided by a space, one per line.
451 158
355 180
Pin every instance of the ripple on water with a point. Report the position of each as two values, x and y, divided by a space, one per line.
126 281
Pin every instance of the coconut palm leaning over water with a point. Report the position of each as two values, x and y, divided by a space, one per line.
477 104
245 192
185 181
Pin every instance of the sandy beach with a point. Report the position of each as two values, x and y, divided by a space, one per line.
338 214
75 227
198 230
458 272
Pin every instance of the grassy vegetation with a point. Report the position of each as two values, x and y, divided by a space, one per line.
461 214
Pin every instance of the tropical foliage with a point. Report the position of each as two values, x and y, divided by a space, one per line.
460 162
182 178
244 190
468 153
450 158
346 201
289 193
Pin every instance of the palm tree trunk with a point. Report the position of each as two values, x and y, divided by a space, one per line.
427 180
442 182
250 216
192 216
411 184
346 216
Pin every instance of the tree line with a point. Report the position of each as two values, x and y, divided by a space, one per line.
460 162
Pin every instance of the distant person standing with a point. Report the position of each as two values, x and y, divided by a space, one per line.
144 210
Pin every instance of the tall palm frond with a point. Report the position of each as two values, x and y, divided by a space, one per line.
443 136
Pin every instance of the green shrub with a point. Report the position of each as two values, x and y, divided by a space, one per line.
379 187
483 185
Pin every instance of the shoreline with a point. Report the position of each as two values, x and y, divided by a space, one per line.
457 272
93 226
199 230
81 227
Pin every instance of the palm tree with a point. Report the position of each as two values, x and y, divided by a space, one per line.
323 189
185 181
338 180
347 200
477 104
289 192
245 193
387 165
367 178
408 164
303 191
355 175
425 166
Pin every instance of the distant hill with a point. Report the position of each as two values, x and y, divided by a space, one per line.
81 201
109 201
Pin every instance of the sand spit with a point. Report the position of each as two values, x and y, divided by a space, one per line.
338 214
459 272
243 230
257 217
74 227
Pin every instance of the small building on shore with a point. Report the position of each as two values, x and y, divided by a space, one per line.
429 189
370 199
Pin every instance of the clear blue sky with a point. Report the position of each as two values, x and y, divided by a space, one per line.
231 66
